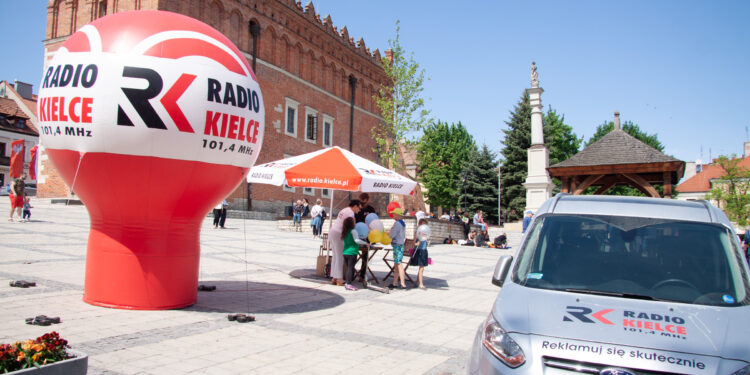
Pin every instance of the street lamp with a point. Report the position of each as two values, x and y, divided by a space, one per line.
499 193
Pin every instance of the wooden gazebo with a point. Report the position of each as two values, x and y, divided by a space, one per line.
618 159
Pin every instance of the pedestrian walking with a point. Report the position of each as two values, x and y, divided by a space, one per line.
223 217
27 209
527 220
220 214
16 193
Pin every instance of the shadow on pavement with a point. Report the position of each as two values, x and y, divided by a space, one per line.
254 297
429 282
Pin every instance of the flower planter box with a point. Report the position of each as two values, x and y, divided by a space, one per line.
77 365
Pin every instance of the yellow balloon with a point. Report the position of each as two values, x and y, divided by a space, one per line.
386 240
375 236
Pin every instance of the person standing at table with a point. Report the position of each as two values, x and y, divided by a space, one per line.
398 236
351 250
421 258
364 200
366 209
337 242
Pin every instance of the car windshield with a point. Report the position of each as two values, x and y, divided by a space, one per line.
634 257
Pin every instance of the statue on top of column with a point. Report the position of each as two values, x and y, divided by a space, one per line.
534 76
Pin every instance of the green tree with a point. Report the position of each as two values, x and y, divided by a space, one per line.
635 131
630 128
400 102
514 159
559 138
479 184
442 153
732 190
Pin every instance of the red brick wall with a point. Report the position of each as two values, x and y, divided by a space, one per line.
50 184
300 57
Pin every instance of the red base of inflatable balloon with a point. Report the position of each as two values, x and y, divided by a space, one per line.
143 250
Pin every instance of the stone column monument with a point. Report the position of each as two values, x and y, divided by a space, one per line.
538 183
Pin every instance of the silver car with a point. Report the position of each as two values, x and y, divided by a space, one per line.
620 285
30 189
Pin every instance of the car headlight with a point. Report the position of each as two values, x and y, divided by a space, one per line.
743 371
497 341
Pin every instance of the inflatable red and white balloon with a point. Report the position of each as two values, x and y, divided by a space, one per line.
151 118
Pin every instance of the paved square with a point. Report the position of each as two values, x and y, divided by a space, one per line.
303 325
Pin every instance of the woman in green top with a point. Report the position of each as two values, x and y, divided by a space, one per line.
351 250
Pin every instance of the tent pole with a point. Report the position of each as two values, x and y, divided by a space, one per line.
330 213
330 221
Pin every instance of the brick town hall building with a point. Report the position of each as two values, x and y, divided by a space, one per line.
317 83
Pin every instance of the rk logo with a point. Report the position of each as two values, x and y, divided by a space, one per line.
139 98
582 314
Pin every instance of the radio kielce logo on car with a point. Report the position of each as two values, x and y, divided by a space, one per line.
632 321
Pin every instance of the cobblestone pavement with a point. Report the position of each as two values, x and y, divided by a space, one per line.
304 325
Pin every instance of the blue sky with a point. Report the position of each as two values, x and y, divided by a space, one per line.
680 69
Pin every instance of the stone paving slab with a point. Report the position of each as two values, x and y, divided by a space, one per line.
304 324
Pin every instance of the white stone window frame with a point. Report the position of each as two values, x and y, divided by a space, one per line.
308 191
293 104
325 193
309 111
327 120
284 186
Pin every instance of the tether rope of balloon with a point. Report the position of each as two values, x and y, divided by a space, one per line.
247 281
75 177
244 244
222 251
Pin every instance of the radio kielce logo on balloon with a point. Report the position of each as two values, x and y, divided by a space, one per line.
164 84
152 118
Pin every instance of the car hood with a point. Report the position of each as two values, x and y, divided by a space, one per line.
702 330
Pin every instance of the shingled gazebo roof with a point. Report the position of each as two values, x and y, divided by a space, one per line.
617 147
618 158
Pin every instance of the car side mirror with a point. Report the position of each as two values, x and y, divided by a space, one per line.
501 269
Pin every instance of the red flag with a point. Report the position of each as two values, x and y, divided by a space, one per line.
17 151
32 163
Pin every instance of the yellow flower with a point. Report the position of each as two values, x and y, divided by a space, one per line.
27 345
36 356
21 356
38 347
